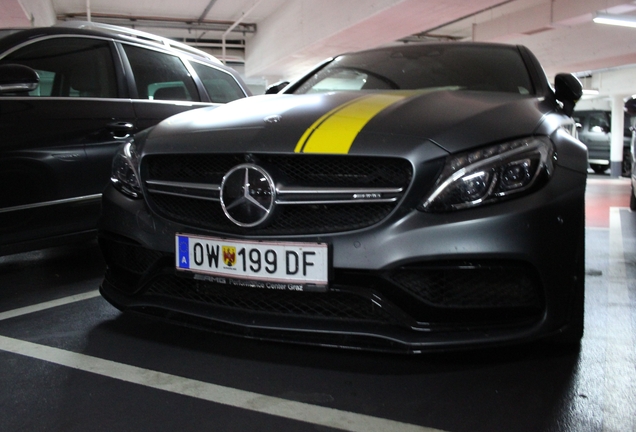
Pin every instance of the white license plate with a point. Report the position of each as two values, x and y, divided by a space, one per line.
278 265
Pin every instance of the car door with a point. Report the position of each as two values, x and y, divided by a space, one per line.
49 189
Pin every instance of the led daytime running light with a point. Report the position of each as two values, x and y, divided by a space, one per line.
490 174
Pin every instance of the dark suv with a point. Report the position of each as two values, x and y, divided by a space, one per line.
594 131
630 112
69 97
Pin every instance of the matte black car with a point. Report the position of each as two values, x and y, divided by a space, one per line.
70 96
406 198
594 131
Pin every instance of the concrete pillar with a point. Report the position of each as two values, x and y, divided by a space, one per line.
616 143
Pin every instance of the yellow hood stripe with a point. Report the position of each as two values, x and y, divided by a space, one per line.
335 131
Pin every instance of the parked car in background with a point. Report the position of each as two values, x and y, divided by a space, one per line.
70 96
594 131
407 198
630 112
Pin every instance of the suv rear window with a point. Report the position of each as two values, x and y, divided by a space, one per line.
221 86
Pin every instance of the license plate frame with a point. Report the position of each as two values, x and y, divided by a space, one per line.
296 266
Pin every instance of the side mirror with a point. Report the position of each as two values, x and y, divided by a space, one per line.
275 88
568 90
15 78
630 106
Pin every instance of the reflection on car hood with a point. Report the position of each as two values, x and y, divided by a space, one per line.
352 122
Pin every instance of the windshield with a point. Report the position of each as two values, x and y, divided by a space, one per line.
458 66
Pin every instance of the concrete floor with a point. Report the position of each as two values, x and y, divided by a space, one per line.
71 362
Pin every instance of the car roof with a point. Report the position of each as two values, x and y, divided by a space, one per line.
415 46
137 35
111 31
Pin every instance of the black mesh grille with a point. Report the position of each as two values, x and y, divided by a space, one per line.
342 171
126 255
331 305
127 261
297 170
289 170
198 168
481 287
289 219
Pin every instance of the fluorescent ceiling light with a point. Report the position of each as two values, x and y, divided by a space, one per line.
618 20
590 92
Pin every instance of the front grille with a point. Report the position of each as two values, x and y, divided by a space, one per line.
333 305
290 172
194 168
298 170
316 219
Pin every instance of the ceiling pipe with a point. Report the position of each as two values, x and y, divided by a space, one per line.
237 22
206 11
160 22
489 8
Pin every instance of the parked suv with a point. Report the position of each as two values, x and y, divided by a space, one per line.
69 97
594 131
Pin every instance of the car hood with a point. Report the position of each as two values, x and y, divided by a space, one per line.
352 122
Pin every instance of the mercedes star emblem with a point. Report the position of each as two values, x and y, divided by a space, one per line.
247 195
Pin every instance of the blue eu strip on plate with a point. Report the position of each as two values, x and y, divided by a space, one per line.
183 252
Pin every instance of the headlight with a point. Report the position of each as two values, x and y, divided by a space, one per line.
490 174
124 175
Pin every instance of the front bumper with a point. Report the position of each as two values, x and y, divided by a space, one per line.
504 273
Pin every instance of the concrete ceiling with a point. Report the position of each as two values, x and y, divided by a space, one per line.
279 39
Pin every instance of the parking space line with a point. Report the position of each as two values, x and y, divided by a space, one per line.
317 415
48 305
619 411
292 410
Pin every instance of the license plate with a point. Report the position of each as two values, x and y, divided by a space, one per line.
275 265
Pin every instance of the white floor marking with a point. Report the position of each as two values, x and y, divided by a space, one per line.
304 412
47 305
619 406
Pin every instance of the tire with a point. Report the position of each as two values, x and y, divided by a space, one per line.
626 169
573 335
632 199
570 336
598 169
